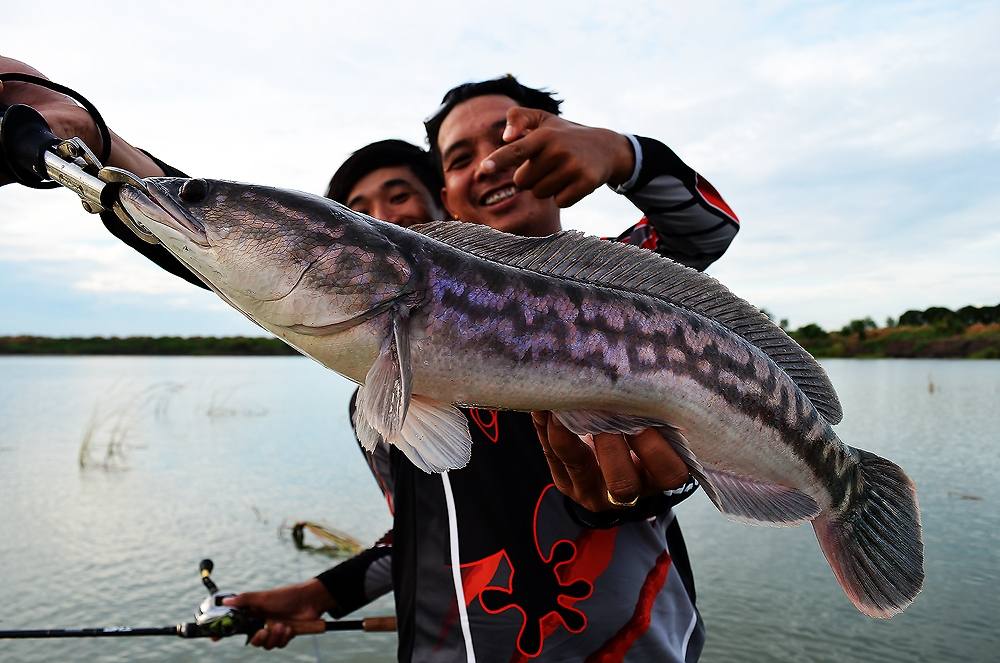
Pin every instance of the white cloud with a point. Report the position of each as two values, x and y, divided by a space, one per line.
830 128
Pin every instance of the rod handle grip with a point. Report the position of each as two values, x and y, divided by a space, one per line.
385 624
382 624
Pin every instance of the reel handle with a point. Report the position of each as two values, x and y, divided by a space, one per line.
24 138
205 567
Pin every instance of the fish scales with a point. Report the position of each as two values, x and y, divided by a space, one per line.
609 337
521 317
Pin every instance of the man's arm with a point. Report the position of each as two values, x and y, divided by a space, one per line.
685 217
340 590
67 119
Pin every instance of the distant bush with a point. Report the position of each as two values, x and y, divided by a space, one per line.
145 345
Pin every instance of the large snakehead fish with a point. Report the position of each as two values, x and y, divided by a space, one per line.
607 336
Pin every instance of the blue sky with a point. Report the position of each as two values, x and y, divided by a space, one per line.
858 142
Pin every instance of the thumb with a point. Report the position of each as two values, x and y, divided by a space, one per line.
522 121
238 601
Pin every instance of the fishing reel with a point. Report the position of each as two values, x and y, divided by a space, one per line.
212 619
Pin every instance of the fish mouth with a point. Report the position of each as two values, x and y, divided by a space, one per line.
157 206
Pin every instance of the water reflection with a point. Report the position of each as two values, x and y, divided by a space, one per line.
243 446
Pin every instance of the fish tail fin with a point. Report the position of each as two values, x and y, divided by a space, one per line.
874 546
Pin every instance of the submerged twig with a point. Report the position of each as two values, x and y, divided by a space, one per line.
335 543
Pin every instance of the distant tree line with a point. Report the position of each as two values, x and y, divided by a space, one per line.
941 318
971 331
144 345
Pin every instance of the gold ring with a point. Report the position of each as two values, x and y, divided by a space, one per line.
615 502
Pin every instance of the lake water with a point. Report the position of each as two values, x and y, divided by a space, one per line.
220 455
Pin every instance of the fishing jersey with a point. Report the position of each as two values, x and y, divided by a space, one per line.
491 563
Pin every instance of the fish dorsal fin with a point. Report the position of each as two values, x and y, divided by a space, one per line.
572 255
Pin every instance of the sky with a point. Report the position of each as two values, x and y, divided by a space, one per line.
858 142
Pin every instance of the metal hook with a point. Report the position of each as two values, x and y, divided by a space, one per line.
113 175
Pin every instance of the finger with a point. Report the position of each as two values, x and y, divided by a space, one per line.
666 468
621 476
238 601
556 467
543 164
551 185
575 192
580 464
511 156
522 121
259 638
278 635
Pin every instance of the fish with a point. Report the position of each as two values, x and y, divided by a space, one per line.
609 337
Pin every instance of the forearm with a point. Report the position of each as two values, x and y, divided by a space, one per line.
691 222
67 119
359 580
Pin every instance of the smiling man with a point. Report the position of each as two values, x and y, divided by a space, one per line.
528 573
390 180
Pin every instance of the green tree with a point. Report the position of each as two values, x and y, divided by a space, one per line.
859 327
912 319
812 331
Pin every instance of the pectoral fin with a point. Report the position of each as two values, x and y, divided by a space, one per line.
384 398
434 436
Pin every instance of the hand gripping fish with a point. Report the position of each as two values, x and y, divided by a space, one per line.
607 336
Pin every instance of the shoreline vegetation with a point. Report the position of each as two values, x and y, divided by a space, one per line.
970 332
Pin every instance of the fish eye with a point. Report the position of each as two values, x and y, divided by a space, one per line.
193 191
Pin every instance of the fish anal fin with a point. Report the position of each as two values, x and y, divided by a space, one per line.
742 498
590 422
749 500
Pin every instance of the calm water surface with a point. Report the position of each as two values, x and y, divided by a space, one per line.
220 453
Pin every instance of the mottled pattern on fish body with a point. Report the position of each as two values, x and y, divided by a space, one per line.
500 336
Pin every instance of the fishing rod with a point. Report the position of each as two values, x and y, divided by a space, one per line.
212 620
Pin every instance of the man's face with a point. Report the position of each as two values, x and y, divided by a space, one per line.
394 194
471 132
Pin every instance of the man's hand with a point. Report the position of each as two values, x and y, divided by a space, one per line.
622 467
557 158
301 602
66 119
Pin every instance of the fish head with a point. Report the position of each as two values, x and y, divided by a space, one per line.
285 258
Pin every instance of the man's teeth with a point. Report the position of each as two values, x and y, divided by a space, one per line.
497 196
